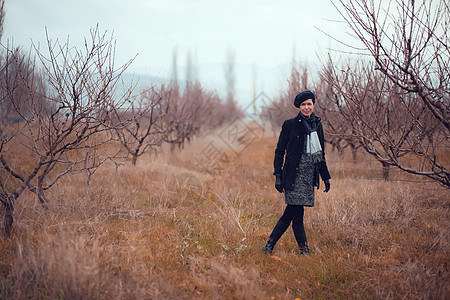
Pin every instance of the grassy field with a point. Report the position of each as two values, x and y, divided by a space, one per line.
166 229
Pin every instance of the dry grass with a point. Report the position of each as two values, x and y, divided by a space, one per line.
166 230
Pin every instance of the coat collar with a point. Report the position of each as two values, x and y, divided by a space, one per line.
299 119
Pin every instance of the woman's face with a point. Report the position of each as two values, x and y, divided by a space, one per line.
307 107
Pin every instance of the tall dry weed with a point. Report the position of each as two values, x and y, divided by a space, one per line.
363 203
214 279
56 265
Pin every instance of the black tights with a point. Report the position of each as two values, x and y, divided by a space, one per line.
293 213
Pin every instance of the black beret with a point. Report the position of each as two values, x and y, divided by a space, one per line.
303 96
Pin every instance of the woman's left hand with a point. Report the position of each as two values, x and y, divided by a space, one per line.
327 186
278 185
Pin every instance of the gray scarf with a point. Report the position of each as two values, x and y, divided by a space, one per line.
313 146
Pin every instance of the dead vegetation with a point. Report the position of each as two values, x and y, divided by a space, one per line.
166 230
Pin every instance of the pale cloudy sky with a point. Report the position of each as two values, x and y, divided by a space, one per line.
263 33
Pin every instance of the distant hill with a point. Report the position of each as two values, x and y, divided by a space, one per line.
250 80
142 81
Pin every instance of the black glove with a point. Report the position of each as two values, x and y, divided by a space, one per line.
327 186
278 183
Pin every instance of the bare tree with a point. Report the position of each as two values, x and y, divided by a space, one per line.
191 69
2 17
68 134
230 76
283 107
409 44
174 79
193 111
229 110
388 122
337 127
189 110
140 127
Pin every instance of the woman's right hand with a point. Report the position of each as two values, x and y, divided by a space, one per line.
278 183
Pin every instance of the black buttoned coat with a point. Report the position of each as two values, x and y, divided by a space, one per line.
289 150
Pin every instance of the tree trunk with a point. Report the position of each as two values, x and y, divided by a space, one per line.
41 197
341 152
8 219
354 154
385 171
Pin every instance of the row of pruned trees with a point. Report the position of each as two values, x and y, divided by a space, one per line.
394 100
68 111
167 114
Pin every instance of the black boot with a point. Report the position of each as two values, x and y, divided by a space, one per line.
277 232
300 236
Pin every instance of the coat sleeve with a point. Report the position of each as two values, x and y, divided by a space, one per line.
280 150
323 168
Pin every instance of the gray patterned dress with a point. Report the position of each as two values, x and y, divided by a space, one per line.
303 192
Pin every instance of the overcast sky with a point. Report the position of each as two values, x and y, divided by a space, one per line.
263 33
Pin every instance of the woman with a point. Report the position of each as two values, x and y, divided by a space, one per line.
302 142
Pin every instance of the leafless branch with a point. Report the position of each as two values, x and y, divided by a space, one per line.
60 127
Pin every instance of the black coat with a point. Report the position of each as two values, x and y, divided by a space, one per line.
291 144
